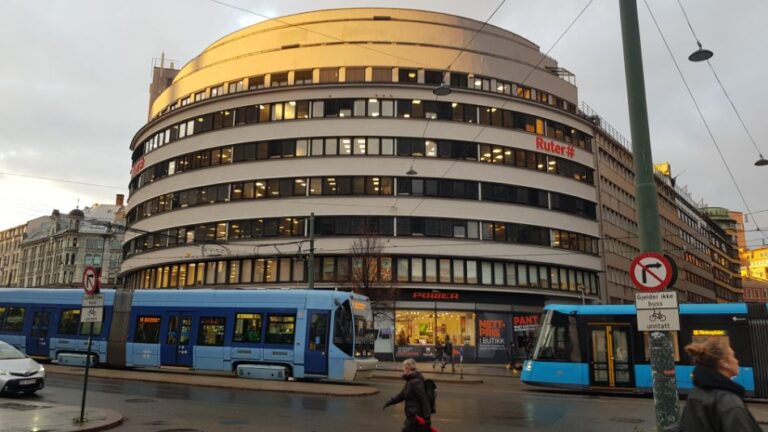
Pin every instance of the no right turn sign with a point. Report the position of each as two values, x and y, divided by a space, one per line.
651 272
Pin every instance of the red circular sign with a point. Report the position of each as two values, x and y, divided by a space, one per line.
91 280
651 272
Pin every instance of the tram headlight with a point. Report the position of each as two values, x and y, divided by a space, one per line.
528 366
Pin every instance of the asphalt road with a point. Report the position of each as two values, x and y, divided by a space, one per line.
501 404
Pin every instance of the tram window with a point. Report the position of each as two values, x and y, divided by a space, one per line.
280 329
2 315
69 321
343 337
85 329
147 330
559 339
14 320
211 331
647 345
247 328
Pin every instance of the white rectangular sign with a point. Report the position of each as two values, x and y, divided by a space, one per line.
96 300
658 320
656 300
91 314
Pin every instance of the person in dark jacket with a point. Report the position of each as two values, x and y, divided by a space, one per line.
415 397
716 403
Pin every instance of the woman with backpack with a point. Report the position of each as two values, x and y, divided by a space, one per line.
716 403
414 394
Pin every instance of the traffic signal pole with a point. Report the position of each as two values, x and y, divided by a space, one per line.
662 356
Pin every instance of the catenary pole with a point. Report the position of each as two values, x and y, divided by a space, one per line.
662 359
311 264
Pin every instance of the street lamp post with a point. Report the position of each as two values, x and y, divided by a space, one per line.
662 358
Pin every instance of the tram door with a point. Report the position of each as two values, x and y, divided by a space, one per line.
610 364
38 340
177 340
316 354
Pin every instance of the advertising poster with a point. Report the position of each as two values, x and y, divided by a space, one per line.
495 331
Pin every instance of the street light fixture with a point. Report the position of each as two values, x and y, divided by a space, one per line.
700 54
442 90
762 161
411 172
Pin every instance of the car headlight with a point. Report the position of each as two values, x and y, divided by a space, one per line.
42 369
2 372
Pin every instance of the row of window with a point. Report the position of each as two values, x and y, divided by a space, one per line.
12 321
344 269
361 74
248 329
362 225
362 146
360 108
359 185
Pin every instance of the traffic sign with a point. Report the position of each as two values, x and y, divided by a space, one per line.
90 281
657 300
657 311
651 272
93 308
658 320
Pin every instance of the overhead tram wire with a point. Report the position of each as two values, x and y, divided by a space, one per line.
411 171
533 68
722 87
703 119
122 188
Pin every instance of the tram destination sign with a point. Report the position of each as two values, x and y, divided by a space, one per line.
657 311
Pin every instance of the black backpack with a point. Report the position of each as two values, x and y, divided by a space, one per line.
431 389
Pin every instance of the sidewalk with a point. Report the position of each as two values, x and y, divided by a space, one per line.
220 380
472 369
21 415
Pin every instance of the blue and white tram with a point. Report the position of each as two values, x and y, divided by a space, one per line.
310 334
599 348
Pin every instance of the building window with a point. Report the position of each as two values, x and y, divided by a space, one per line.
379 74
408 75
354 74
329 75
302 77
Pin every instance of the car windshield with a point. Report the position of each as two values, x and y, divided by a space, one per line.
8 352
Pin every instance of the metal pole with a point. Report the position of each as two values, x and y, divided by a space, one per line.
87 368
662 357
311 265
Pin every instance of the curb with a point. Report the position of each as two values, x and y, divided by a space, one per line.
433 378
225 382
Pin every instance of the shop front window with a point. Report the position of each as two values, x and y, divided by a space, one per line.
427 327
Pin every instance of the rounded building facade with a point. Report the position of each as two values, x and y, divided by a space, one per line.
474 208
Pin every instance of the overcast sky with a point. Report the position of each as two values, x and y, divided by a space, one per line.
74 80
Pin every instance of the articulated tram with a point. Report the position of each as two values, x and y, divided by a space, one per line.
599 348
296 333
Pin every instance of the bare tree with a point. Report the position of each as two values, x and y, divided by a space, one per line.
366 277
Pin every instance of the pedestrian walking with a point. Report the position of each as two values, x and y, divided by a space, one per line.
439 350
414 394
448 355
716 403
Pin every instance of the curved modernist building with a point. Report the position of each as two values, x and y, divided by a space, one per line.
482 200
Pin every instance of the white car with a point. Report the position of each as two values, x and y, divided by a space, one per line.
19 373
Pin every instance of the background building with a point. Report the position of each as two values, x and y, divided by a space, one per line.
706 255
483 200
757 263
10 246
56 249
